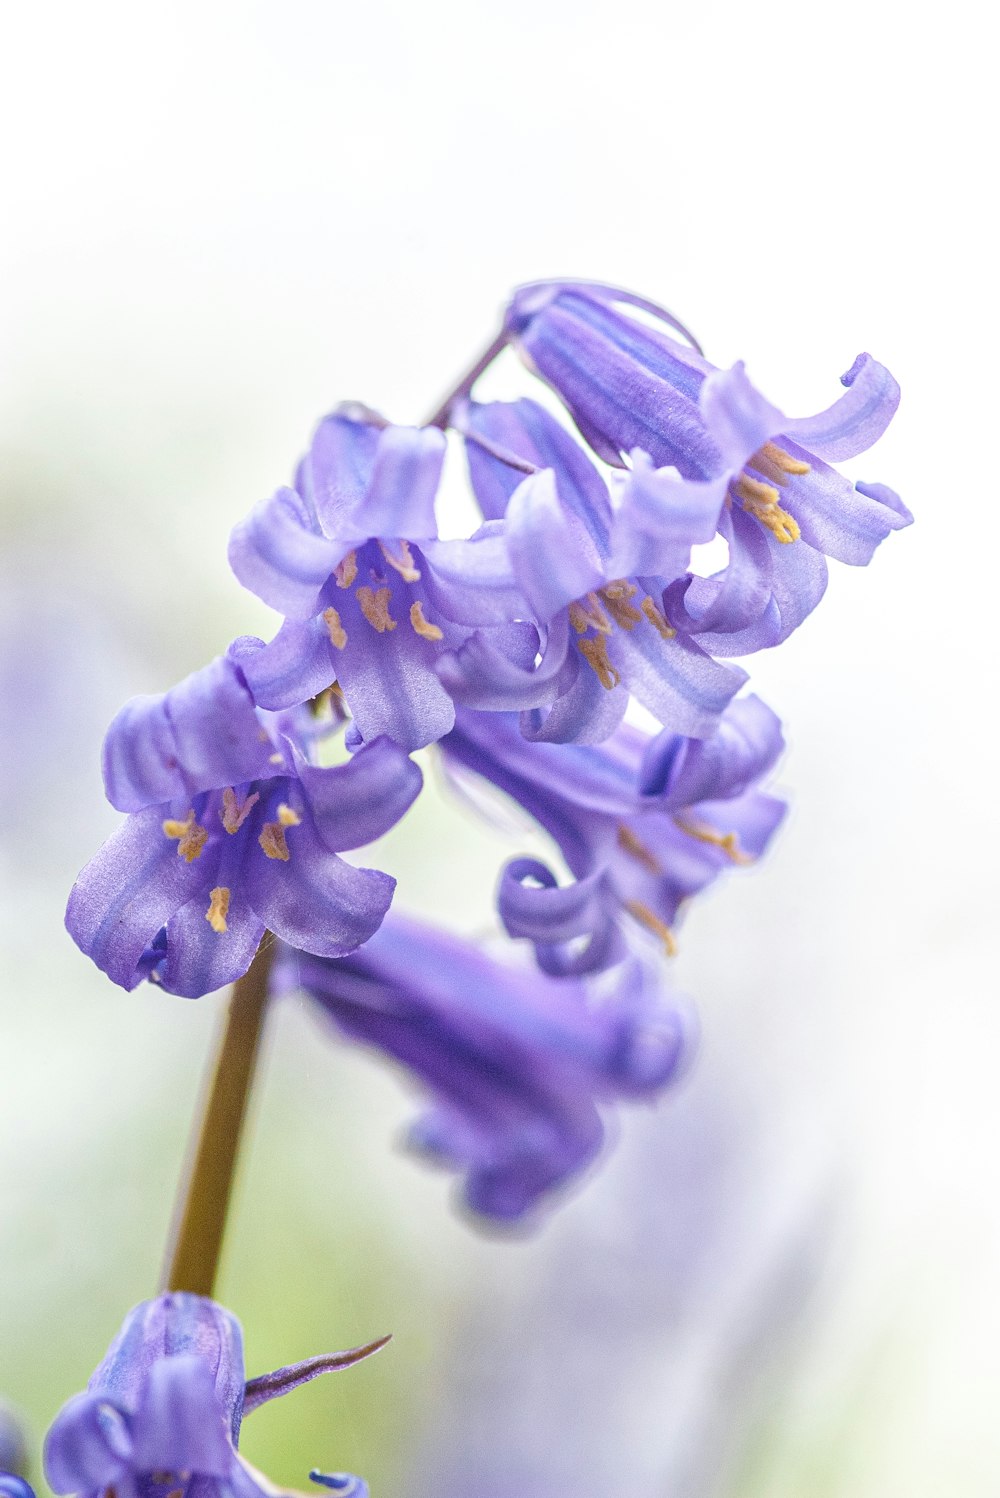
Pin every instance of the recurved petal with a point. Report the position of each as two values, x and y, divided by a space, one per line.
681 771
279 553
840 519
472 582
403 485
553 555
180 1425
659 516
495 670
738 417
583 712
201 959
355 803
675 679
856 420
292 668
533 904
88 1446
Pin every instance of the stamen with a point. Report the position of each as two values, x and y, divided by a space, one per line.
423 627
653 924
589 615
761 501
727 841
272 840
783 461
637 849
234 811
657 620
287 817
594 650
616 595
218 909
277 758
375 607
191 836
338 634
403 563
347 570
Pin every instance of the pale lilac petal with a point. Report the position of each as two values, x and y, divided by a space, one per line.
87 1447
553 555
404 483
854 422
472 582
389 680
355 803
336 471
200 960
495 670
678 682
838 518
180 1425
681 771
279 553
659 516
583 712
296 665
738 417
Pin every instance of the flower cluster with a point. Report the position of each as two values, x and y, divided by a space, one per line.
516 651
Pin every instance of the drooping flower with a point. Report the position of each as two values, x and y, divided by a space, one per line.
13 1456
12 1486
642 822
348 556
604 631
161 1415
517 1063
232 831
632 387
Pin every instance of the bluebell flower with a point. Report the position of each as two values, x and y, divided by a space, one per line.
12 1486
643 824
349 557
13 1447
161 1415
232 830
633 388
603 630
517 1063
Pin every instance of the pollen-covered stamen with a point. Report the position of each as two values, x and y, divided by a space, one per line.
761 501
234 811
728 842
636 848
336 631
374 604
272 834
777 465
594 650
653 924
287 816
423 627
218 909
587 614
616 597
402 563
346 570
657 619
191 836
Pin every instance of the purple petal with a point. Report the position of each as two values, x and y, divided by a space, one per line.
842 521
659 516
682 771
389 679
357 802
738 417
583 712
335 474
495 670
200 960
676 680
87 1447
279 553
180 1425
472 582
553 555
272 1385
344 1483
854 422
404 483
296 665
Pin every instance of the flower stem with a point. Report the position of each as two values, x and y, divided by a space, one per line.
206 1186
442 415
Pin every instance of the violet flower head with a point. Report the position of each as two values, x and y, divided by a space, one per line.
603 633
12 1486
232 831
635 389
348 556
517 1063
643 823
161 1415
13 1446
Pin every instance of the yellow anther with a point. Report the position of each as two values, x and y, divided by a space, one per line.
403 563
616 596
779 459
218 909
191 836
337 632
276 758
594 650
347 570
657 620
653 924
234 811
637 849
588 614
272 840
727 841
423 627
287 817
761 501
375 607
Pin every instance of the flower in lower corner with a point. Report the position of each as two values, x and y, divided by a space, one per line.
518 1064
161 1415
232 831
13 1456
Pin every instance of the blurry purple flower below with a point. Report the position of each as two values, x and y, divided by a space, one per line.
643 824
517 1062
634 389
233 831
13 1447
162 1413
14 1487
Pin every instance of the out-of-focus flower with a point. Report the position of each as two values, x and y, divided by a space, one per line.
162 1413
517 1063
582 587
632 388
348 556
12 1486
232 831
13 1455
643 823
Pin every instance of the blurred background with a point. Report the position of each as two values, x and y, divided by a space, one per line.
221 220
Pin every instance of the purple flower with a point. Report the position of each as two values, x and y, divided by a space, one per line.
14 1487
13 1448
598 604
162 1413
232 831
633 388
348 556
643 824
517 1062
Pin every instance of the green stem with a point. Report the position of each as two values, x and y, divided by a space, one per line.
199 1223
